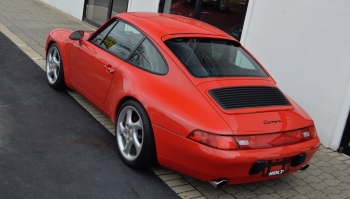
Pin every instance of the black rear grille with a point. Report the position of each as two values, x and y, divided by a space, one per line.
248 97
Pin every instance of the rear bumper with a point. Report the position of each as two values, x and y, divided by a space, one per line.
206 163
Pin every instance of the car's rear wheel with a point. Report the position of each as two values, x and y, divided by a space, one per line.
54 68
134 136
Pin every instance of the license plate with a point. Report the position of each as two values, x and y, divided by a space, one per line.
277 167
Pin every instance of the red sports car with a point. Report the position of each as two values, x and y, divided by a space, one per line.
186 95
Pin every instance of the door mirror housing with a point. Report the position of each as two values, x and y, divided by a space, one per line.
77 35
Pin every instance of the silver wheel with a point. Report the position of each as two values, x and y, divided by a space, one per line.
53 64
130 133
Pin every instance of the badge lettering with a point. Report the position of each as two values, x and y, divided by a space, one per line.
272 173
272 121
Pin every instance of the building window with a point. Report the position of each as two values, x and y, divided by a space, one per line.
99 11
227 15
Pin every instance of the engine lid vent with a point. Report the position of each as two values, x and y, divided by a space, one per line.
248 97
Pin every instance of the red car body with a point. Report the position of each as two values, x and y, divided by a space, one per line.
179 103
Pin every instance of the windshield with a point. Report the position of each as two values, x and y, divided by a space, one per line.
214 58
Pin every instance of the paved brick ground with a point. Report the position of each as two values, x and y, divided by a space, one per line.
27 24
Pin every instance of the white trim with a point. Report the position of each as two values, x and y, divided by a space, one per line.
248 16
343 116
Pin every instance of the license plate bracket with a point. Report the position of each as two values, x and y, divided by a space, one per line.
276 167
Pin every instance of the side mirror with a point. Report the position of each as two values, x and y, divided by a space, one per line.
77 35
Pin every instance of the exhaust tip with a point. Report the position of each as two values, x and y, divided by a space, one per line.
219 183
304 167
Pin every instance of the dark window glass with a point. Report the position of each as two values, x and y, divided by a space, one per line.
99 38
96 10
147 57
214 58
119 6
227 15
121 40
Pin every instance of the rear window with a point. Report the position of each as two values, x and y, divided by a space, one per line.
214 58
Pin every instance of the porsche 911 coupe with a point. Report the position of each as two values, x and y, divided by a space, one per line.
185 95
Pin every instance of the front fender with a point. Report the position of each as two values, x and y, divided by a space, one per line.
61 38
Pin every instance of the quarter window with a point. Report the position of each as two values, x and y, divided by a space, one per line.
147 57
120 40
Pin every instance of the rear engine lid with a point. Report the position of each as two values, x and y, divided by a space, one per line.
252 106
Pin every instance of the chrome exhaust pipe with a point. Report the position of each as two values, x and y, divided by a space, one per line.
219 183
304 167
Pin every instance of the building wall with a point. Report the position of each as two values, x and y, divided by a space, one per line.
71 7
305 45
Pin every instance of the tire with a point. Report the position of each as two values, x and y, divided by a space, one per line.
54 68
134 136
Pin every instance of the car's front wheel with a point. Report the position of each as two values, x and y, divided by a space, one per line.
134 135
54 67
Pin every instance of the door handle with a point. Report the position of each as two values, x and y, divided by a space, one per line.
109 68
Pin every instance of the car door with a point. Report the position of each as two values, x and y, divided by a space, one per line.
94 62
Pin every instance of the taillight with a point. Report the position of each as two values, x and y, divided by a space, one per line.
312 130
253 141
215 141
273 139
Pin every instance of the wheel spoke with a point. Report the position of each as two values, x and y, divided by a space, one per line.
128 121
136 143
127 148
136 126
56 61
121 129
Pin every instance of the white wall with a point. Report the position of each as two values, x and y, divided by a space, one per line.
143 6
305 45
71 7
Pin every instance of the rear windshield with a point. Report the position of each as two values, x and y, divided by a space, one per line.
214 58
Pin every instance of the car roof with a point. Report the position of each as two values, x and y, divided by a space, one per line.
160 24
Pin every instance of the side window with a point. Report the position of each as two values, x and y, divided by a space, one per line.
120 40
147 57
99 38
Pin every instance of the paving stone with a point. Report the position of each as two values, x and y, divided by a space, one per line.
194 182
346 192
317 185
330 190
325 176
245 194
343 186
226 196
286 193
206 187
177 182
303 189
347 162
170 176
213 193
271 182
338 196
264 190
327 150
233 189
183 188
332 182
342 157
190 194
269 196
252 186
299 196
341 167
316 194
